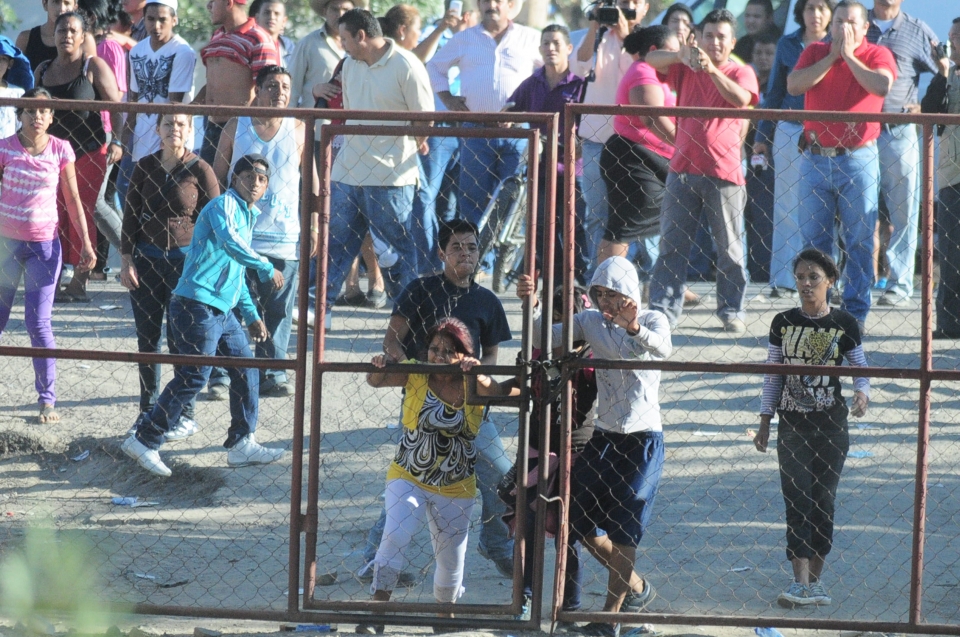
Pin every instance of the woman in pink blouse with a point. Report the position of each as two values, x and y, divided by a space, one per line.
635 160
33 166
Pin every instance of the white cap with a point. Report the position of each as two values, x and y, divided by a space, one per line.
166 3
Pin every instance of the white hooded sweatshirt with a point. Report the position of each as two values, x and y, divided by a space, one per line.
628 400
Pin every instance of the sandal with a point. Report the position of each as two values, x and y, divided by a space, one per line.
47 415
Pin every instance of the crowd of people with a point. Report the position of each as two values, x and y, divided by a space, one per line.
210 233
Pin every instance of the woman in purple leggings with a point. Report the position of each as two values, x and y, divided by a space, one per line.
33 165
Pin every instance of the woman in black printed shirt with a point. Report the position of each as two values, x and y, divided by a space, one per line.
813 439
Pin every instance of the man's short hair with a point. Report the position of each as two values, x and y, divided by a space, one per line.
675 7
719 16
557 28
767 36
249 162
267 71
455 226
257 4
640 41
847 4
766 4
357 20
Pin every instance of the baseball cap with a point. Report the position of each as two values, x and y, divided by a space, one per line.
255 162
173 4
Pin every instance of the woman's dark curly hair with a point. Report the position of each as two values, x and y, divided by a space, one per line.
820 258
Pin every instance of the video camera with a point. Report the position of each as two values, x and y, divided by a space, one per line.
607 12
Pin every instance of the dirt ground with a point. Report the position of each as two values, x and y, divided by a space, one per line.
217 537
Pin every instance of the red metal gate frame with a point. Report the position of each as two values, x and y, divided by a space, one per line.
925 374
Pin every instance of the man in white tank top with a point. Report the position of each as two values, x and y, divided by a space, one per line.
276 234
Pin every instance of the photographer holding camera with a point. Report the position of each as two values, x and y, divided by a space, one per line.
610 62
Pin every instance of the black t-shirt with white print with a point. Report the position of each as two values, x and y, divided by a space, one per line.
807 341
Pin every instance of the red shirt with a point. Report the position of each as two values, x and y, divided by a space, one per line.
710 146
840 91
248 45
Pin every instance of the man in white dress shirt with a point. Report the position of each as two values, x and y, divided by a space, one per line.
493 58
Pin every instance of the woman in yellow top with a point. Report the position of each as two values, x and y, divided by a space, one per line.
432 474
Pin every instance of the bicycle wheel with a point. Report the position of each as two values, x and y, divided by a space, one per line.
508 257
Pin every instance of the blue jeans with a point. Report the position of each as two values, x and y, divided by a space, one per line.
444 153
722 203
149 302
483 164
276 308
899 153
948 243
491 466
595 195
787 240
123 178
353 210
199 329
845 186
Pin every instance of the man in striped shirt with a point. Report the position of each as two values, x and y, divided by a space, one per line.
493 57
233 57
911 42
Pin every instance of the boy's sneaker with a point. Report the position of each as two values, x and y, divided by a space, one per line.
796 595
146 457
249 452
818 593
600 629
525 610
369 629
184 429
636 602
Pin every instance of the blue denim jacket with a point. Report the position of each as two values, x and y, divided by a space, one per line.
789 49
219 254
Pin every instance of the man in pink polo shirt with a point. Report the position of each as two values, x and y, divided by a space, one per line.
839 168
705 173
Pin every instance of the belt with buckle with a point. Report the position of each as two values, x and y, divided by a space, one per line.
835 151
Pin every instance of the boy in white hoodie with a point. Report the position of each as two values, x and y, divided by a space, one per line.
616 478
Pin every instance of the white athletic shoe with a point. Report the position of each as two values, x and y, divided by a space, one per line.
146 457
249 452
182 431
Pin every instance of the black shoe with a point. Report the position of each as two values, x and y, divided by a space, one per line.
369 629
376 300
636 602
600 629
351 298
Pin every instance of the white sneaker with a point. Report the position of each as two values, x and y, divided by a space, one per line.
146 457
182 431
248 452
311 317
328 322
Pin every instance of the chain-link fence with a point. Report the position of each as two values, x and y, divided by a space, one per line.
295 538
715 545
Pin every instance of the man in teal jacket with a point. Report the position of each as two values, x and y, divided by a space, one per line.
203 322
